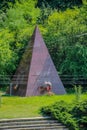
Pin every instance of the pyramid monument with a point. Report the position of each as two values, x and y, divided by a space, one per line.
36 67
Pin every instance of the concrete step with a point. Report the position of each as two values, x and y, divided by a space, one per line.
40 123
44 128
37 128
25 119
29 123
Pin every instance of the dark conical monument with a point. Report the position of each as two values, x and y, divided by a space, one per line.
35 68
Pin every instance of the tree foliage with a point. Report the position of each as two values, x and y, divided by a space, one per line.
16 26
66 39
60 4
65 33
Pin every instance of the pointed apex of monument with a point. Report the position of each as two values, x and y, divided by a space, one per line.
36 32
36 28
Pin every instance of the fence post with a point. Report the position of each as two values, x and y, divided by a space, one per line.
0 99
10 89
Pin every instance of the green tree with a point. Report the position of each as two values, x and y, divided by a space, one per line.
60 4
66 39
7 56
16 28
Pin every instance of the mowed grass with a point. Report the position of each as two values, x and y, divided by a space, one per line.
25 107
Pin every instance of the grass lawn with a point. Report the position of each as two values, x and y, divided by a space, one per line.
22 107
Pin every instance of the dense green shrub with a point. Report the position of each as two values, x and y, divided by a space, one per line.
80 113
72 115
